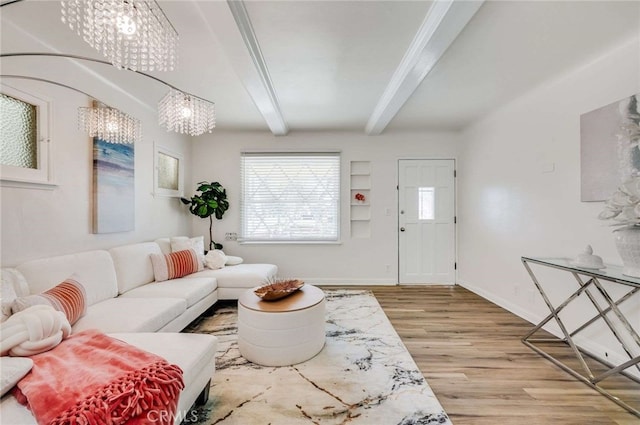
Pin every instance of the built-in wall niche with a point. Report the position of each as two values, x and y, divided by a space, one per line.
360 199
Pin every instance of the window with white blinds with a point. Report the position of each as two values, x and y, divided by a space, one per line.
290 197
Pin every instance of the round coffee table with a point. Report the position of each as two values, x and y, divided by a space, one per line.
283 332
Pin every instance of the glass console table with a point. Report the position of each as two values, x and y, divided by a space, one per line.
606 309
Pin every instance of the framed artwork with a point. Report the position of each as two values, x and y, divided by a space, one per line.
113 187
609 153
168 173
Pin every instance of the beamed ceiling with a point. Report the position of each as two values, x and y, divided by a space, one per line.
366 66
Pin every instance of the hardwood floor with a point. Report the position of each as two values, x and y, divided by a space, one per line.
470 352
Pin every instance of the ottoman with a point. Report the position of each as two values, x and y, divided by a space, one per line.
283 332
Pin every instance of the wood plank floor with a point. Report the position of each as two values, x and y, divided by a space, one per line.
470 352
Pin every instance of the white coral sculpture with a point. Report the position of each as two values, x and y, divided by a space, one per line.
623 208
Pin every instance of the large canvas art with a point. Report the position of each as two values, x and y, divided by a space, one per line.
113 187
609 153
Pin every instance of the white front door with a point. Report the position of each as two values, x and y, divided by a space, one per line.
426 221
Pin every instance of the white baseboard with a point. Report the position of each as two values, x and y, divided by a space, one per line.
351 282
506 304
614 355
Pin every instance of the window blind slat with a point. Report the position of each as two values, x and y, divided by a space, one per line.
290 197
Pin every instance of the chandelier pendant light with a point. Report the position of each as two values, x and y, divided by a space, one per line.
132 34
178 111
186 114
109 124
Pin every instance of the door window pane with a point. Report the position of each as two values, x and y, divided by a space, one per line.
426 203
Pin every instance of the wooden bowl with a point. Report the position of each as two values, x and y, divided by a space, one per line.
279 289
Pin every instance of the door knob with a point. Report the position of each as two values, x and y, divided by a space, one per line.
402 229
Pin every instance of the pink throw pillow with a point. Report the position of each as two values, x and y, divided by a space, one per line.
68 297
174 265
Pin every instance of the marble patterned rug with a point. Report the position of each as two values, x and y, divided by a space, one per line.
363 375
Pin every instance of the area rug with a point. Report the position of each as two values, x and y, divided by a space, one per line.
363 375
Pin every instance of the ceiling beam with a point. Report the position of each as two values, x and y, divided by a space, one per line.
261 90
229 24
443 23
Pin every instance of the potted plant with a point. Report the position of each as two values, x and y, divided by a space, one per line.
211 201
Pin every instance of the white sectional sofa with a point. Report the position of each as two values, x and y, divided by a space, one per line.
232 280
124 300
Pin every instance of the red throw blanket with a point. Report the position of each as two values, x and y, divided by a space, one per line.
91 378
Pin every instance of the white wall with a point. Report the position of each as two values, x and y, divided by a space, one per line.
519 187
367 261
40 223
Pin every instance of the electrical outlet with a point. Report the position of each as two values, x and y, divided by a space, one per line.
232 236
388 268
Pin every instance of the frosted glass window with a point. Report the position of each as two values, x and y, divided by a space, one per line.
426 203
18 133
168 171
289 197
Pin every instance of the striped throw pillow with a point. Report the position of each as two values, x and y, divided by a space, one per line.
175 265
68 297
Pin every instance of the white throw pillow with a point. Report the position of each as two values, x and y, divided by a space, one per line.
232 261
215 259
13 286
180 243
34 330
13 369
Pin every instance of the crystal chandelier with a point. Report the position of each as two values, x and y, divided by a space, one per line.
132 34
185 113
109 124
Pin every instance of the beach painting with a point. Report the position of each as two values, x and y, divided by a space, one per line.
113 187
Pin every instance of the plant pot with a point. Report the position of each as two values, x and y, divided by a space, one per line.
628 244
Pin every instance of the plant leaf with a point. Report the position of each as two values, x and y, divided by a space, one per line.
202 211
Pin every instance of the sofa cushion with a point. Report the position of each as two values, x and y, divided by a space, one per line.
94 269
69 297
233 260
165 244
131 315
191 290
171 346
240 276
133 264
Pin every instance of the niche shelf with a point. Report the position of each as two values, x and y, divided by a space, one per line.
360 179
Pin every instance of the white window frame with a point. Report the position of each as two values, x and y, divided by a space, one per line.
160 191
244 239
41 177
